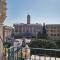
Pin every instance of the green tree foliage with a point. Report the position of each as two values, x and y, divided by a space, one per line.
6 44
43 44
39 35
58 43
44 33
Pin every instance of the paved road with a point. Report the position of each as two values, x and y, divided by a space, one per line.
19 41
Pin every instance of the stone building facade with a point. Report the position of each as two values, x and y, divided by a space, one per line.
31 28
2 11
5 31
53 31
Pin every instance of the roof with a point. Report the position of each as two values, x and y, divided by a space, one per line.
23 34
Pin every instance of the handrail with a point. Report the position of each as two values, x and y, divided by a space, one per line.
46 49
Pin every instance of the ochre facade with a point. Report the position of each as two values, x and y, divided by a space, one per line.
2 11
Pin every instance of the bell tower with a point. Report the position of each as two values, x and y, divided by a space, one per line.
28 19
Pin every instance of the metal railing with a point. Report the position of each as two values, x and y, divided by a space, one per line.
45 53
19 53
12 53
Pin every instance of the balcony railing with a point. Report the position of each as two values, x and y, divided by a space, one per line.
20 53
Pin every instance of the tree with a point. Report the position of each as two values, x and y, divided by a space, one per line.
7 45
44 33
58 43
39 34
43 43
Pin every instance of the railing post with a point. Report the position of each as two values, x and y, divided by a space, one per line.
9 54
39 58
5 53
21 54
15 57
45 55
17 53
13 53
50 54
30 56
55 55
35 56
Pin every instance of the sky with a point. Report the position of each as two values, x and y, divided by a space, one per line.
41 11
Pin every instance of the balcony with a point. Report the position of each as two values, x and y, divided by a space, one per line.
17 53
